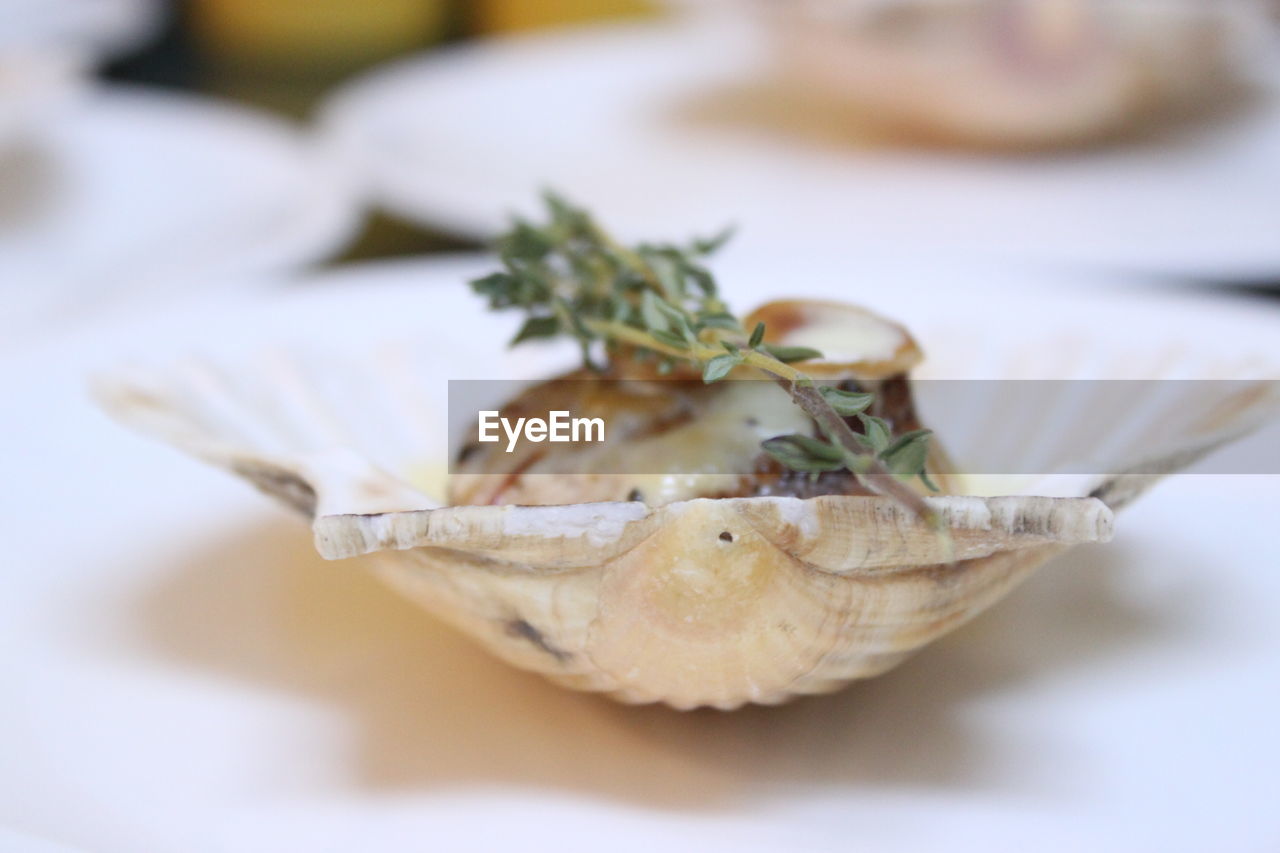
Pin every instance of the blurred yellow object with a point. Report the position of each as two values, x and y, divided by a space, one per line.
514 15
315 33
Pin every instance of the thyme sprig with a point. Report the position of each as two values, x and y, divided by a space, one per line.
659 302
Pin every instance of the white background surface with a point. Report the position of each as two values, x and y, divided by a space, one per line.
632 120
184 674
137 194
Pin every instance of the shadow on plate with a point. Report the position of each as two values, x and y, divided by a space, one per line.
431 709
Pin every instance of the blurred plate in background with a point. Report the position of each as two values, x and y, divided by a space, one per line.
138 196
35 86
193 677
96 28
642 122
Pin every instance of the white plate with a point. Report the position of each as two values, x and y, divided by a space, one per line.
458 139
34 87
97 28
46 47
193 678
136 195
15 842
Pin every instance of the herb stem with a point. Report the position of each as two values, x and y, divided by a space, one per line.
698 352
869 470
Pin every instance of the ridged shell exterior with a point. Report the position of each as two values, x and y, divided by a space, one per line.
714 602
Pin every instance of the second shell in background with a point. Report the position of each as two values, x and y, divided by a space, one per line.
679 126
994 73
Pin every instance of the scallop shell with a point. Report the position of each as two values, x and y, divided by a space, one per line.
976 72
696 603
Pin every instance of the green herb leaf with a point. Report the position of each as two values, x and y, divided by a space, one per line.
757 336
907 454
525 243
701 277
669 339
667 273
619 311
674 314
719 320
787 355
720 367
537 327
847 403
652 315
686 329
876 432
711 245
497 287
804 453
566 214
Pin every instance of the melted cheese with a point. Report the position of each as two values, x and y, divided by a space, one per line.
709 454
706 455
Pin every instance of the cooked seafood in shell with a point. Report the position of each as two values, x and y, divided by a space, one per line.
695 595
